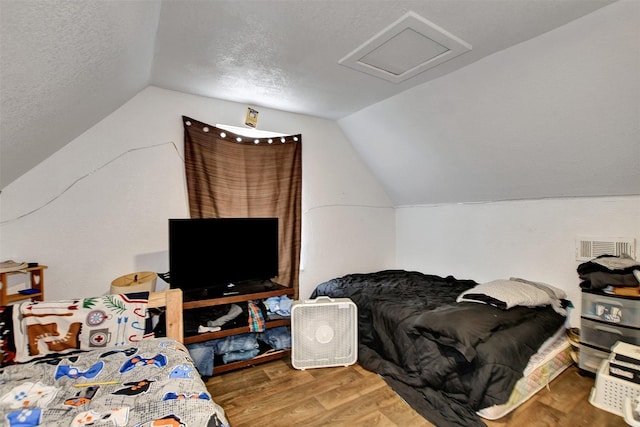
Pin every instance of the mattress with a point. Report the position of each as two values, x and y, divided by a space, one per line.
550 361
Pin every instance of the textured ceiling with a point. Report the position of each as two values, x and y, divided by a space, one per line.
65 65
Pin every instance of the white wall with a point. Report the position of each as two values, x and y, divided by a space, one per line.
532 239
98 208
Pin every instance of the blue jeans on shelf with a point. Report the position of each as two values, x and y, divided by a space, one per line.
235 356
278 338
202 353
231 343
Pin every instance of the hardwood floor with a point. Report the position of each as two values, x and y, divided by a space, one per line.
276 394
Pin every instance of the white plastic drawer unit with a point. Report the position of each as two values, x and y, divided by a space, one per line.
590 358
604 335
612 309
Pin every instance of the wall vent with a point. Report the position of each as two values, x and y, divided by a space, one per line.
588 248
404 49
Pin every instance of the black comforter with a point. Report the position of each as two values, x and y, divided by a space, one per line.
446 359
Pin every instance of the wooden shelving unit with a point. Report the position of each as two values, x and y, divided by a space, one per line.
235 331
261 358
277 290
36 280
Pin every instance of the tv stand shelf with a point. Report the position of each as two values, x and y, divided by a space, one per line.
272 291
261 358
230 299
235 331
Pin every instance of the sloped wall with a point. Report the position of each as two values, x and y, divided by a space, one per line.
555 116
98 208
541 123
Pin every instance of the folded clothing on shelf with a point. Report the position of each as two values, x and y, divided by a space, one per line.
609 270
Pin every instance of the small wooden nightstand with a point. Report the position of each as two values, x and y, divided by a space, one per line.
36 278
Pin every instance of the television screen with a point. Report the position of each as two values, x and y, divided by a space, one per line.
220 255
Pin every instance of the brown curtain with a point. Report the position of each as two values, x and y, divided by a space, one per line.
247 178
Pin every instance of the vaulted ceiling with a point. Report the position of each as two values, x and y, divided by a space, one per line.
65 65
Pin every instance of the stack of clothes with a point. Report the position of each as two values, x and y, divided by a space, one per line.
609 272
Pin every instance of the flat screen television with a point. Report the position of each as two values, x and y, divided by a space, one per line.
220 256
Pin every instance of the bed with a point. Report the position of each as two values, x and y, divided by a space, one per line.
550 360
98 361
450 348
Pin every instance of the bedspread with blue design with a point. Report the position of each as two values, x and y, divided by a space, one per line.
151 383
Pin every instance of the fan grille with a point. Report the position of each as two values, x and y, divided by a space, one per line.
324 333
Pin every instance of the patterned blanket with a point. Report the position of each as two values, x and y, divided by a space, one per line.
151 384
94 361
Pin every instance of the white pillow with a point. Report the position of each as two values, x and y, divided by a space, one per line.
555 292
509 293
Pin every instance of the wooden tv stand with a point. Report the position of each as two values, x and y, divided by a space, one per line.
276 290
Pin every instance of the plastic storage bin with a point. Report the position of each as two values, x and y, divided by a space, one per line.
620 310
609 393
591 358
604 335
630 416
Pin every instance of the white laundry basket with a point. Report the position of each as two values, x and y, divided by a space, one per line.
609 393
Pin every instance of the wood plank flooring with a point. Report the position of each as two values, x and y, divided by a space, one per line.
276 394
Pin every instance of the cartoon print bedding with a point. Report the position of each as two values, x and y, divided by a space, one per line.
152 383
94 361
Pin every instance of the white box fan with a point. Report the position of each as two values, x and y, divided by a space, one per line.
324 333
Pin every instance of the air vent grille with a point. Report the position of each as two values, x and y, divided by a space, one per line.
404 49
589 248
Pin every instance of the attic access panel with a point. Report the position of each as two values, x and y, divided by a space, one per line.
404 49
